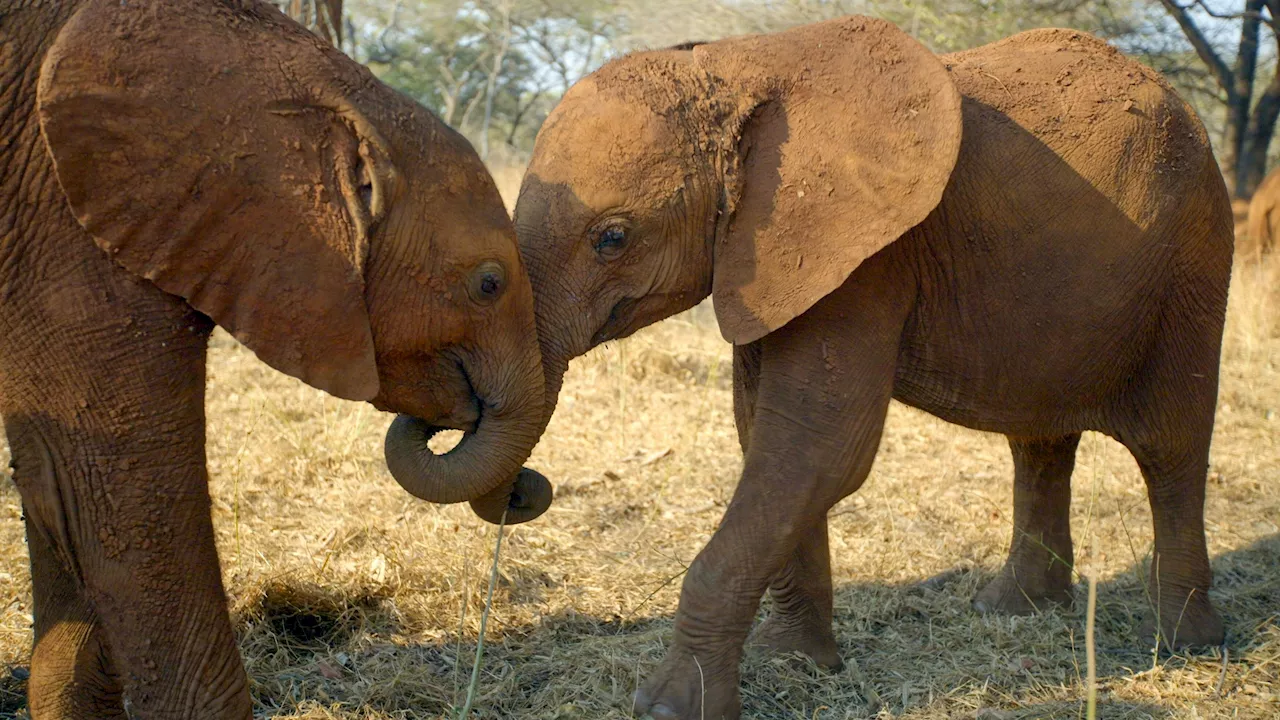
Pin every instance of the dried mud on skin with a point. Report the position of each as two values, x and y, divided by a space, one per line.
348 595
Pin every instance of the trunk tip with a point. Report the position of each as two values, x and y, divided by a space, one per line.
525 498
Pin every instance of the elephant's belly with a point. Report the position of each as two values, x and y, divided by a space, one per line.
1030 344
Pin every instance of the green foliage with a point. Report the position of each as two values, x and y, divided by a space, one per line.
510 60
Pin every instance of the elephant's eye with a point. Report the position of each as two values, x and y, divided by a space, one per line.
610 241
488 281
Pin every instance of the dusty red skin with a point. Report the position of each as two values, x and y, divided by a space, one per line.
1263 226
1029 238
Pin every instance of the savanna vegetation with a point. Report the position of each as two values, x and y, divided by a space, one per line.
353 600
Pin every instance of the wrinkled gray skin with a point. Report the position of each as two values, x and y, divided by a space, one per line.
1032 238
170 164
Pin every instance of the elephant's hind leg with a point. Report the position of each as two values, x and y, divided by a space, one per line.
1038 571
1180 576
1175 470
1167 423
71 671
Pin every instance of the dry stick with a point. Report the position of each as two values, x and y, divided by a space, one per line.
1222 677
1091 707
484 621
702 684
462 621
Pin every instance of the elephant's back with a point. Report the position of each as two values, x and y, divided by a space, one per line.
1118 124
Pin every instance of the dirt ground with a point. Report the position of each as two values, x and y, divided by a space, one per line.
353 600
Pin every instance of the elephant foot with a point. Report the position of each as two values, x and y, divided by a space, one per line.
1007 595
1187 621
689 688
805 633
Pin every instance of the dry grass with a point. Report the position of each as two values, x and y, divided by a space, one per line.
352 600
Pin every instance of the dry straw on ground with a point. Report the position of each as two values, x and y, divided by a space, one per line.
353 600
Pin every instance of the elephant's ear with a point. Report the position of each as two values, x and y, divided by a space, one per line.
205 146
846 134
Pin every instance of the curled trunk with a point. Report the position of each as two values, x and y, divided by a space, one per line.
529 494
485 467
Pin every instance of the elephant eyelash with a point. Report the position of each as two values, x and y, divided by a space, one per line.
610 237
364 183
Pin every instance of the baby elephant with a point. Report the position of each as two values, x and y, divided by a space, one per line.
1030 238
169 164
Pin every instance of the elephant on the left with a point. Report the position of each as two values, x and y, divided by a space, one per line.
166 165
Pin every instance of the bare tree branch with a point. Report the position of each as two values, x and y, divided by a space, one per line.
1201 44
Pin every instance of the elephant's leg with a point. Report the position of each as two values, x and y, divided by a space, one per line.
129 515
1168 425
103 398
825 383
1180 576
802 597
71 672
1038 571
802 603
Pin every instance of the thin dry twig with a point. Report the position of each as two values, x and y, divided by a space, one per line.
484 621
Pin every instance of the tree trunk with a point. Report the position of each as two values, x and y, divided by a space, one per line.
1253 163
322 17
1239 97
521 110
498 59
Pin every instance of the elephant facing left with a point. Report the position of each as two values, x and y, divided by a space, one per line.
166 165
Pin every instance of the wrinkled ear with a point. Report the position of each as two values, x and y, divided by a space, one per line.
846 135
198 144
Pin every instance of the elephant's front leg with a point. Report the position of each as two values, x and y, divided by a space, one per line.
125 515
71 670
104 410
802 597
824 387
802 603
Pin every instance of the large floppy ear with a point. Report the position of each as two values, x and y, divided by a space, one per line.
844 137
209 147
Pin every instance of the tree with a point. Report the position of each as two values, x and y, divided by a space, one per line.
1250 115
491 68
323 17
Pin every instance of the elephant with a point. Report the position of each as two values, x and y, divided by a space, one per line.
1029 238
169 165
1263 226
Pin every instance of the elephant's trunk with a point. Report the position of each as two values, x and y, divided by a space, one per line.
529 495
486 465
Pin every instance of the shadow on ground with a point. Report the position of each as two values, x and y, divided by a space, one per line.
911 651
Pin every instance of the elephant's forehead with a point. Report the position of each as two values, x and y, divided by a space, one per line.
609 150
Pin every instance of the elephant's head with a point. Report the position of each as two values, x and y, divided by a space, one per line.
761 170
333 226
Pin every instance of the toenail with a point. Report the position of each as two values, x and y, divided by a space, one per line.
662 712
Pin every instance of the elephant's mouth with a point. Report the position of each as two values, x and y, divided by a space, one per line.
465 416
632 314
620 323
